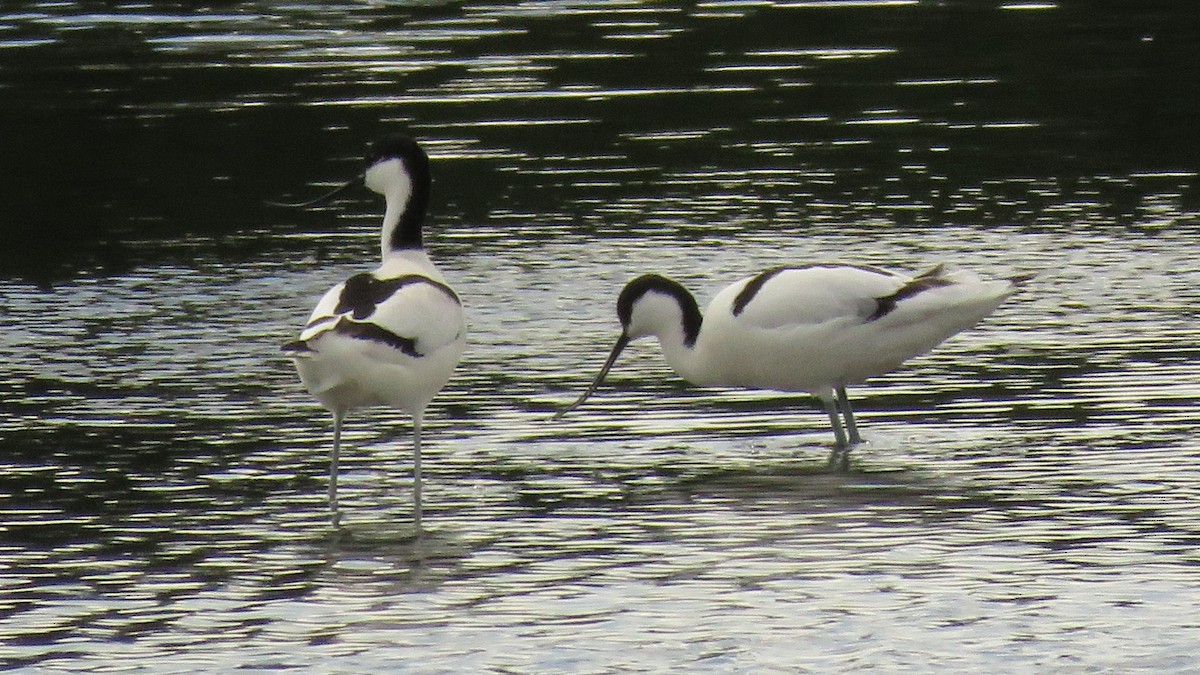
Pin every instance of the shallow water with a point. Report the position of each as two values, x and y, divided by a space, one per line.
1026 500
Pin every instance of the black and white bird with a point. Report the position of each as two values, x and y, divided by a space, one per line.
392 336
813 328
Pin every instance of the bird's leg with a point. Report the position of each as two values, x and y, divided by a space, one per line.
836 421
839 459
417 471
338 416
848 413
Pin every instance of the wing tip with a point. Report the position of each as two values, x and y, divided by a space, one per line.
298 348
934 272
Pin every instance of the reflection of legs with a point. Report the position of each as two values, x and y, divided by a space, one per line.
839 459
848 413
338 416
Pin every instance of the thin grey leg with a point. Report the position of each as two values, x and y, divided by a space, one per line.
839 459
333 467
835 420
848 413
417 471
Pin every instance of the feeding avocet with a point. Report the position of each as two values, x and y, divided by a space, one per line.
814 328
393 336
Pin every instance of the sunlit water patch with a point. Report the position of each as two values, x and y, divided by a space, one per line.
1030 479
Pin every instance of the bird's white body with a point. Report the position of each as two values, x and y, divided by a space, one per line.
393 336
810 329
814 328
346 373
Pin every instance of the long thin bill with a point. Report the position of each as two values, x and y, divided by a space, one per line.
323 198
608 364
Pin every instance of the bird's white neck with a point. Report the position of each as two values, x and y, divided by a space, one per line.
671 314
401 229
408 261
683 358
406 200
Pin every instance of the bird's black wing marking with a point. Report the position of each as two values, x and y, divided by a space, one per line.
364 330
923 282
360 330
755 285
747 294
363 292
360 296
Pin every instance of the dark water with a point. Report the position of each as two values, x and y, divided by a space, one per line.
1027 501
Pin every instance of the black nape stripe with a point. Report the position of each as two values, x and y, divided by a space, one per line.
363 292
639 287
407 234
375 333
756 284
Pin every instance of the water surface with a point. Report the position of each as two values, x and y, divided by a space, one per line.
1025 501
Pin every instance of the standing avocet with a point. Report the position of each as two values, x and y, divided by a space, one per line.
393 336
814 328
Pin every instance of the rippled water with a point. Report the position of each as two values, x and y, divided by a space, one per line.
1026 501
